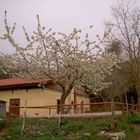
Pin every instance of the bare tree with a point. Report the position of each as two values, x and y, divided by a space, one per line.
125 28
67 59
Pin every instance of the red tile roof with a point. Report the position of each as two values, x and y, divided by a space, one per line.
17 83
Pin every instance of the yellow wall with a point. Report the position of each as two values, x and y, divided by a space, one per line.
85 101
37 97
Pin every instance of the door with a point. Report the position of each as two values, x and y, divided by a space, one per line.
14 107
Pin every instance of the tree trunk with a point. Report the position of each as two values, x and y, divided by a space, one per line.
61 107
24 119
132 103
65 92
138 101
62 102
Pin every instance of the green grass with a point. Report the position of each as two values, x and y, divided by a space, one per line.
134 117
47 129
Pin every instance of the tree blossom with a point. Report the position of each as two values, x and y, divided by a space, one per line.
67 59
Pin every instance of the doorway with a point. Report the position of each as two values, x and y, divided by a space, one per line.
14 109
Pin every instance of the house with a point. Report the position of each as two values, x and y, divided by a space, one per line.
21 93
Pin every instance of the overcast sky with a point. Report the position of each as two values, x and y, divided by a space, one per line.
61 15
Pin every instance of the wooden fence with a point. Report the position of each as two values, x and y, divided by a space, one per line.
71 108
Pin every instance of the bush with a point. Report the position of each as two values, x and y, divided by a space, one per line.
3 122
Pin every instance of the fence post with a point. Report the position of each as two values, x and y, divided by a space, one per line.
82 102
112 107
137 107
75 101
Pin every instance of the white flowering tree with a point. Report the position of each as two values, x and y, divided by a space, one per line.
3 70
67 59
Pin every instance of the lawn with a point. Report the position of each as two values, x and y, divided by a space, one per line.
69 129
